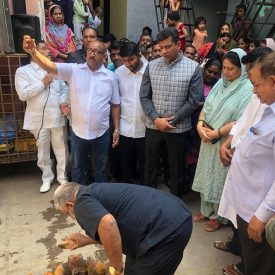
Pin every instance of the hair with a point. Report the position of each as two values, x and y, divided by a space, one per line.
129 49
174 15
149 46
115 45
155 42
147 30
213 62
124 40
63 194
233 58
267 64
252 56
244 38
225 34
190 46
168 32
240 6
108 37
39 41
86 28
198 20
229 26
99 11
255 42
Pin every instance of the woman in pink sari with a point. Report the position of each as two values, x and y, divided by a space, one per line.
59 37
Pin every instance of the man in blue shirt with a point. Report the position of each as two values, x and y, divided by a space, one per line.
151 227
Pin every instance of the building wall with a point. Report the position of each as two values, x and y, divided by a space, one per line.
140 13
118 18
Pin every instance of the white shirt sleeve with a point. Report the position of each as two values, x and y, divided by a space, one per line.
27 88
267 207
64 71
115 96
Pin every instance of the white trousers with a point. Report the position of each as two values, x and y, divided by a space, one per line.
78 27
57 137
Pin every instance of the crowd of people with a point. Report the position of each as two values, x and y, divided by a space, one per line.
133 108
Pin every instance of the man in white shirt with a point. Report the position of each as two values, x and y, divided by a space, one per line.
43 117
251 115
93 92
132 118
251 178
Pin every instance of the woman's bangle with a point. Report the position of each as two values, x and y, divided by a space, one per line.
219 132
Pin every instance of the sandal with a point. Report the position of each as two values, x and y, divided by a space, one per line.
221 245
212 226
231 270
199 218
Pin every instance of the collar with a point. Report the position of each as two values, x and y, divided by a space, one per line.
179 58
35 66
102 69
272 107
142 69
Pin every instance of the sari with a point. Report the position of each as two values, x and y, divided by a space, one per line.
59 38
224 104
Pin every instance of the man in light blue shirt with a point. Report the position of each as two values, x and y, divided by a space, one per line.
252 176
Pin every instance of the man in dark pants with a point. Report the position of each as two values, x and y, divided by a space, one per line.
151 227
170 92
132 118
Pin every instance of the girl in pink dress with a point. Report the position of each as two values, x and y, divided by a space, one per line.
200 33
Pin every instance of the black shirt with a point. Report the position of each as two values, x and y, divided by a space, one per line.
79 57
145 216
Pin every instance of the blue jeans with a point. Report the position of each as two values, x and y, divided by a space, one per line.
80 149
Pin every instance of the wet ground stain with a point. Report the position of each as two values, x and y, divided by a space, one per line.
57 222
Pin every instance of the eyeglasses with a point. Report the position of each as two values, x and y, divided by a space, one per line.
95 51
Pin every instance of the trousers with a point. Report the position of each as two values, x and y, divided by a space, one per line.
57 137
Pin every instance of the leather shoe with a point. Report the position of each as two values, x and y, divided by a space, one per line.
45 187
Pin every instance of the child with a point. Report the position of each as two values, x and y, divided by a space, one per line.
95 17
200 33
173 20
243 43
174 5
169 6
79 20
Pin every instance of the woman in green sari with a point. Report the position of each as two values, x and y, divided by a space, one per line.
223 106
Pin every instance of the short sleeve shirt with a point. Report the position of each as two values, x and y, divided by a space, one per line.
145 216
91 94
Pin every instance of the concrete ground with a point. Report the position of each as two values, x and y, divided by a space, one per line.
30 230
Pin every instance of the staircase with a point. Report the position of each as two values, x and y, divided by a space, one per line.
187 16
262 16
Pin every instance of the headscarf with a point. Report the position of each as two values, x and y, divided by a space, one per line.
270 43
58 33
227 99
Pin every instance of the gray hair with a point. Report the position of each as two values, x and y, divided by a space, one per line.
63 194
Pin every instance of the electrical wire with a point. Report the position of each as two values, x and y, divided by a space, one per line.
43 113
